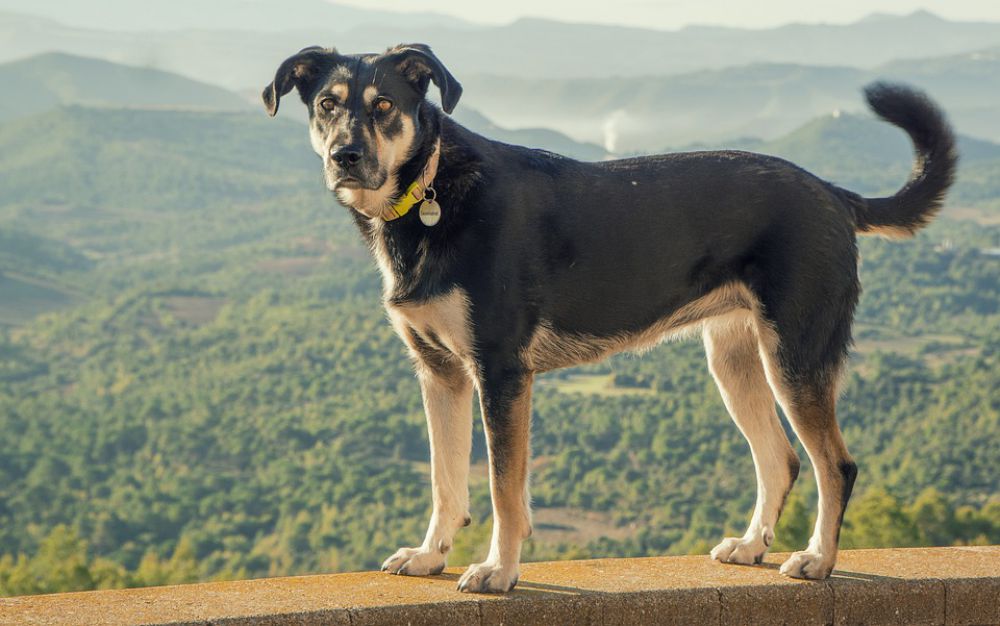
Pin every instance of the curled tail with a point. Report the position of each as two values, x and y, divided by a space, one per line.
916 204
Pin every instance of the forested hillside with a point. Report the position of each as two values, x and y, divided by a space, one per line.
54 78
213 389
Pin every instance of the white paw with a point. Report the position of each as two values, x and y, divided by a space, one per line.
743 550
487 578
414 562
808 564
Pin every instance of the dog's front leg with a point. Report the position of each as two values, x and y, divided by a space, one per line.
505 398
447 393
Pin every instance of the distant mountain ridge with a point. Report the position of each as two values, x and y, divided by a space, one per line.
247 15
642 114
873 158
51 79
639 89
530 48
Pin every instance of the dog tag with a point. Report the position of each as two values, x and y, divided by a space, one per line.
430 212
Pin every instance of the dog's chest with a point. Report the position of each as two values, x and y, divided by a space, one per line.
442 323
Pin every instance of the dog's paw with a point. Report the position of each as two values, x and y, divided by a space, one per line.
487 578
743 550
808 564
414 562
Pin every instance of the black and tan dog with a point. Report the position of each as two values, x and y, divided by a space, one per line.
500 262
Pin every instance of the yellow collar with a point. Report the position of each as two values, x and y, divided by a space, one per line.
417 190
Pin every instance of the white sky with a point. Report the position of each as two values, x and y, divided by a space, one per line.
672 14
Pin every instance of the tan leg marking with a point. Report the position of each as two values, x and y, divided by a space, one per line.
814 419
448 406
508 452
733 358
439 338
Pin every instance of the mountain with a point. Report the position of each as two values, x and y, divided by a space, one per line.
872 157
544 138
86 175
51 79
234 15
223 54
643 114
537 48
966 84
92 159
641 90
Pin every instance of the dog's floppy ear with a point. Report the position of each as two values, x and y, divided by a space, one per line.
296 71
418 64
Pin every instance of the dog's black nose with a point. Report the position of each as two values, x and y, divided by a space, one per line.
346 156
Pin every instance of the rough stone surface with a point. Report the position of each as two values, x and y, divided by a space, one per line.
915 602
777 604
680 607
542 608
417 614
972 600
912 586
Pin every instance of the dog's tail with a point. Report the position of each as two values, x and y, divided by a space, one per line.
916 204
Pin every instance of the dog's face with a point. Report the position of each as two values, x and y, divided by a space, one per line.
364 114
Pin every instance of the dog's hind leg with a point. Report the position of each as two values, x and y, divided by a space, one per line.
447 394
505 397
809 402
732 349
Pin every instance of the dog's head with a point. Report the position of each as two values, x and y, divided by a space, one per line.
366 114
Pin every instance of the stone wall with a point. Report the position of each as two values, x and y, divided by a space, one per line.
959 585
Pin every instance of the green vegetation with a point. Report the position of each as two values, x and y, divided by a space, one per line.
221 395
55 78
63 562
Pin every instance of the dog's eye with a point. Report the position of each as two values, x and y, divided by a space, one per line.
328 104
383 105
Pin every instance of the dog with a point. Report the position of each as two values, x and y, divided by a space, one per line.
499 262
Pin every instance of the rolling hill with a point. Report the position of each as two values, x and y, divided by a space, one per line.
51 79
46 82
114 159
544 138
872 157
158 166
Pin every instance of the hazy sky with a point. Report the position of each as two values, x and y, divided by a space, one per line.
671 14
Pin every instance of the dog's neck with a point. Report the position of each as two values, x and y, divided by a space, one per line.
414 259
417 190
